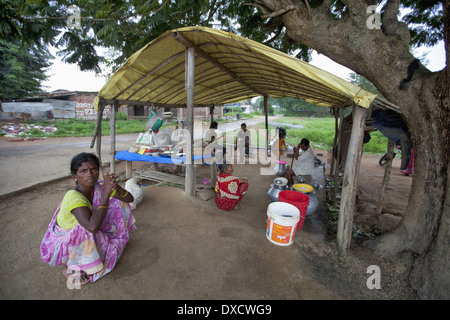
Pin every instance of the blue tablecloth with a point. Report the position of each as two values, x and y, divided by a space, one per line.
130 156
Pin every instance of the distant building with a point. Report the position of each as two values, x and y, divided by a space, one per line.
57 105
64 104
173 113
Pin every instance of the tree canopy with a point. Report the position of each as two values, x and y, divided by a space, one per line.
22 69
126 26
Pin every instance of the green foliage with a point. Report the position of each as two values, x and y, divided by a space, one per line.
125 26
22 68
425 21
363 83
79 127
320 133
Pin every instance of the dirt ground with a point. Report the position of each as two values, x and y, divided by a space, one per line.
187 249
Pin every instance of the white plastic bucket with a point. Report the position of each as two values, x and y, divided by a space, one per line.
282 223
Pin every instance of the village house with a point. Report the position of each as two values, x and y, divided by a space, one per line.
64 104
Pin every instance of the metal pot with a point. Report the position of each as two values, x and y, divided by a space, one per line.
281 169
275 189
313 202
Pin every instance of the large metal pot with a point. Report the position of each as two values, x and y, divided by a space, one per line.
280 169
311 193
278 185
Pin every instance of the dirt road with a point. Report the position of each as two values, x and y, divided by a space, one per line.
28 163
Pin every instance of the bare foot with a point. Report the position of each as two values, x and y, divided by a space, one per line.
76 277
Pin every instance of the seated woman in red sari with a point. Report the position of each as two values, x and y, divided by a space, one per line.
229 189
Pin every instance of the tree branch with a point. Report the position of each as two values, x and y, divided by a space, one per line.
211 11
309 9
389 19
264 11
277 34
280 12
390 24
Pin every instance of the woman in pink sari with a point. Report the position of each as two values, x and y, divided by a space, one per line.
229 189
91 226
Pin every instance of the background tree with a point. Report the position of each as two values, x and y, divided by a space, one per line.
296 107
339 30
22 69
362 82
346 31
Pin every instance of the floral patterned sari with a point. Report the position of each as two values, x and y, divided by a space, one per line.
229 191
96 254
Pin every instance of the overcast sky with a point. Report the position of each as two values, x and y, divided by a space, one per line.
69 77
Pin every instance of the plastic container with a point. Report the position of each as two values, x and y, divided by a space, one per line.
154 122
302 187
297 199
281 223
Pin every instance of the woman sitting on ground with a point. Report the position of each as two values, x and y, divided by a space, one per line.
91 226
229 189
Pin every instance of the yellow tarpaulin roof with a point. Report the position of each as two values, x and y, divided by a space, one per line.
228 68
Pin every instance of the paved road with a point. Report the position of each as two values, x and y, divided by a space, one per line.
28 163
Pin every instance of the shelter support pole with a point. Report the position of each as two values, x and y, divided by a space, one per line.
98 137
350 182
112 126
189 83
213 172
338 161
387 174
101 107
267 125
333 151
211 113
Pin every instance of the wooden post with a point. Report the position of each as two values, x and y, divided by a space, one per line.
189 84
336 131
387 174
211 113
98 139
112 127
338 155
267 125
350 182
213 171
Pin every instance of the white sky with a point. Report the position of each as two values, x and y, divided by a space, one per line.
69 77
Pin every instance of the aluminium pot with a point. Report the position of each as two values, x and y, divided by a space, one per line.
311 193
278 185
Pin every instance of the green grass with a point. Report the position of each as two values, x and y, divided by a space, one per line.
82 128
319 131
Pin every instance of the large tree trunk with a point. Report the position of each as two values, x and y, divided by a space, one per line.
382 56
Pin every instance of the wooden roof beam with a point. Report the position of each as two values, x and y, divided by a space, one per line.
187 43
148 103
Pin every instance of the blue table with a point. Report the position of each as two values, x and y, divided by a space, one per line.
129 157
